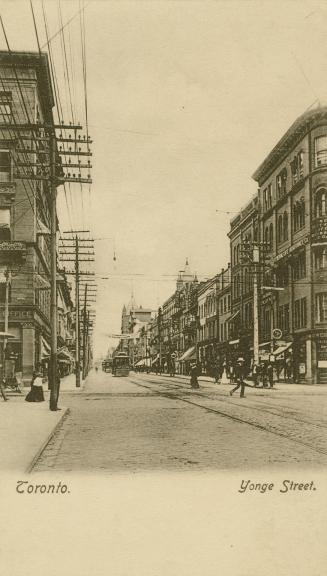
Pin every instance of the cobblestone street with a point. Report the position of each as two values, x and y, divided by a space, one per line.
148 422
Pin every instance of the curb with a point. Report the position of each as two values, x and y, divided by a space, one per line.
31 465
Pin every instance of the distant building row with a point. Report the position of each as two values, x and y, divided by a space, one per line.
287 220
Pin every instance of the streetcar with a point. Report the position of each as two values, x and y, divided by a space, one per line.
107 365
120 364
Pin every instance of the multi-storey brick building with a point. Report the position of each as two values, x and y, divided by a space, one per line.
214 311
25 98
243 232
293 221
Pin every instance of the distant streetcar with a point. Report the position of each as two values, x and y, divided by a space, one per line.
107 365
120 364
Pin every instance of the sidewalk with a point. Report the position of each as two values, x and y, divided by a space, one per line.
211 380
26 427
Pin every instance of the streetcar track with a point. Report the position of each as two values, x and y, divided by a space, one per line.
234 418
257 408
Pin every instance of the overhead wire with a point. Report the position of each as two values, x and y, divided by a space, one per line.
59 108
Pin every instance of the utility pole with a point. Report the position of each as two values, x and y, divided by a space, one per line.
77 323
54 392
76 249
85 334
256 259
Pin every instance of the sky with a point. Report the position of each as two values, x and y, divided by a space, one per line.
185 100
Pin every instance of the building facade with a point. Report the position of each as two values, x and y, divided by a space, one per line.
25 97
293 221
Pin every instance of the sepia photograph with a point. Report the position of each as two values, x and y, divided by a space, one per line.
163 282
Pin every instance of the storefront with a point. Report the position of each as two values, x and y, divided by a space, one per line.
321 352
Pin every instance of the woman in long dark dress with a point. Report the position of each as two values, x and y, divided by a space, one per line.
36 392
194 376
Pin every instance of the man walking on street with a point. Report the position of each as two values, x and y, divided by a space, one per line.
239 377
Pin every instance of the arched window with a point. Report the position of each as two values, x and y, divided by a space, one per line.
280 228
320 203
238 253
234 255
271 235
285 226
267 236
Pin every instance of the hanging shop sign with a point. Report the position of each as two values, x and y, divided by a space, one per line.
277 333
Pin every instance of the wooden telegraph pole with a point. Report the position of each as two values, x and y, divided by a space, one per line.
76 248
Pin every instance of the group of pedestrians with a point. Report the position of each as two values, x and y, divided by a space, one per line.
236 372
263 374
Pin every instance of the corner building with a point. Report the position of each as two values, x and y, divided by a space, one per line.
26 100
293 223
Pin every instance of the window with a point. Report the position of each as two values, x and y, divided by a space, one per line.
267 197
5 166
271 235
280 228
320 151
4 224
246 281
5 107
248 314
299 215
299 266
300 164
265 205
285 226
267 236
297 167
267 323
321 307
281 181
229 302
320 203
321 258
300 313
283 317
282 276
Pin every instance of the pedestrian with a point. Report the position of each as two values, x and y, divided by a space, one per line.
255 375
231 372
194 376
3 394
239 377
36 392
288 369
270 374
217 373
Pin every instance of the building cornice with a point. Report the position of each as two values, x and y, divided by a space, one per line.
302 126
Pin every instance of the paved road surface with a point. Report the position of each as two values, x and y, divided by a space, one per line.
148 422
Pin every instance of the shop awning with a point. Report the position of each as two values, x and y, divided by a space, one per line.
143 362
6 335
282 348
155 359
45 349
234 342
188 355
64 353
235 315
